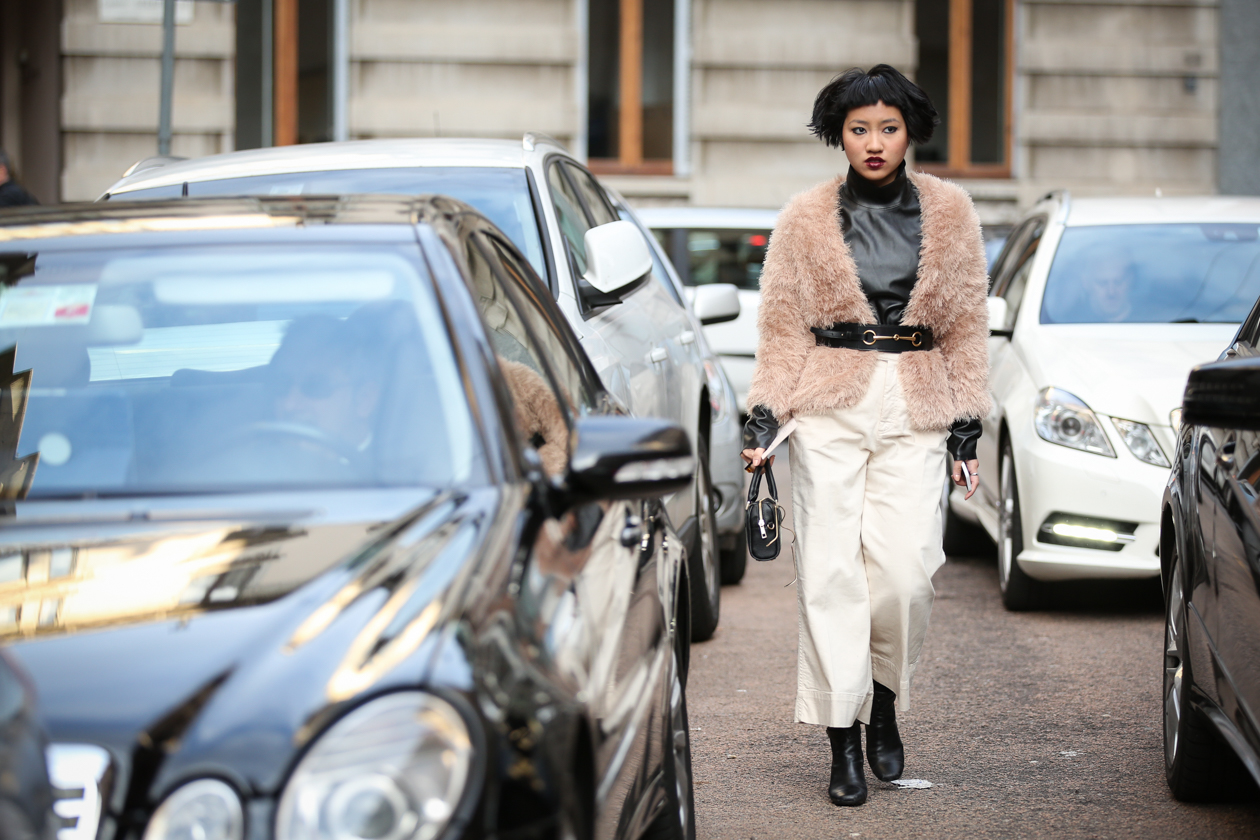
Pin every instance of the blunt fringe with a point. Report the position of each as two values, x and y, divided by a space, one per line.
857 88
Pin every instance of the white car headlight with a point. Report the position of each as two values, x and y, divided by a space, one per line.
1138 437
394 769
206 809
1064 419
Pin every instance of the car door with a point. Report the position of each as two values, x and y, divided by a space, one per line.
590 592
626 338
1005 368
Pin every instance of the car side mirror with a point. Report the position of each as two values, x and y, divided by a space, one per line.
998 313
716 303
1224 395
616 256
621 457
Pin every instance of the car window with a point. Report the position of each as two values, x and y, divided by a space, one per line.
546 393
569 214
1250 332
500 193
1022 262
1154 273
720 255
231 368
545 322
1002 265
593 195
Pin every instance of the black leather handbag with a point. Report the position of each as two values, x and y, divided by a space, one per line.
764 517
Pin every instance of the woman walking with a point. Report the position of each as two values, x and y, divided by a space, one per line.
873 336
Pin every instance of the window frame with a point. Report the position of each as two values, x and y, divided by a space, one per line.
959 164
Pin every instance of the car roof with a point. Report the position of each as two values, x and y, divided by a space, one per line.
1171 210
354 154
707 217
184 215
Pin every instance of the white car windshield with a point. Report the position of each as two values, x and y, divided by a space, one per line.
1161 274
499 193
135 371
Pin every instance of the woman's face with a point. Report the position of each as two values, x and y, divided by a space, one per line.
875 141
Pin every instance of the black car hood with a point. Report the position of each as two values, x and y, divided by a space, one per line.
193 641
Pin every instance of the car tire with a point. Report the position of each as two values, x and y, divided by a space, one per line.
1198 765
1019 591
702 560
960 538
734 559
677 821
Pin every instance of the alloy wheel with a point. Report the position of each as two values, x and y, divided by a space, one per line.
1006 533
1174 665
708 538
681 756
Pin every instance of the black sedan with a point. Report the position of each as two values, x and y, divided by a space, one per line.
315 522
1210 553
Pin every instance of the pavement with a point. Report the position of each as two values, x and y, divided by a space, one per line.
1029 725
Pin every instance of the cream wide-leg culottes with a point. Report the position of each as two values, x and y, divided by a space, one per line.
866 496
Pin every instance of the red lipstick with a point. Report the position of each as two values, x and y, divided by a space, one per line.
874 162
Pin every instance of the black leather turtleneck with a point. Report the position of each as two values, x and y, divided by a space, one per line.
883 230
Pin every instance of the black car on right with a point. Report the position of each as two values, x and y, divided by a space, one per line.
1210 558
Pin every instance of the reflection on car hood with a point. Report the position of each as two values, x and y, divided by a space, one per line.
1134 371
223 639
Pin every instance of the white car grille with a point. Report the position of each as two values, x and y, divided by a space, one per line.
78 773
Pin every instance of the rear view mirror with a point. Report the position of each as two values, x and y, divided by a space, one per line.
619 457
616 256
998 313
1224 395
716 303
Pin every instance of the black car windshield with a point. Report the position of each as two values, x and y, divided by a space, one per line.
1154 274
226 368
500 193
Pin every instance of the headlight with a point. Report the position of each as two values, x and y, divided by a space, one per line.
392 770
206 809
1138 437
1064 419
1174 419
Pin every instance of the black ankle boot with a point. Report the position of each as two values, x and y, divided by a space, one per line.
848 780
883 742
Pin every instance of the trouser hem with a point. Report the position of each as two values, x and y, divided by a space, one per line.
824 708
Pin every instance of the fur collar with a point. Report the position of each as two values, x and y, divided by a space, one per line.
810 228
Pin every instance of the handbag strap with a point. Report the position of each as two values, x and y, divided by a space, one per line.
754 487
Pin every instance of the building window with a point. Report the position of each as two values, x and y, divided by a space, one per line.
630 86
965 65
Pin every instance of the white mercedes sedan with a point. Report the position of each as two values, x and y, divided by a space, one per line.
1099 309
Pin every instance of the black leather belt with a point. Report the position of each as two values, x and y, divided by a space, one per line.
881 337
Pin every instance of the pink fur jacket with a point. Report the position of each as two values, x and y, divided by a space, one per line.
810 280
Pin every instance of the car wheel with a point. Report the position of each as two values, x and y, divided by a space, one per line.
734 559
1198 765
677 820
703 564
1019 591
960 538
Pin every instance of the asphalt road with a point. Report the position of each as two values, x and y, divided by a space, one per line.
1041 724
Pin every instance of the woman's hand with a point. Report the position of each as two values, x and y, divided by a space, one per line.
754 457
973 466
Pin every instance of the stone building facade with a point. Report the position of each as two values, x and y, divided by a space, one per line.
1097 96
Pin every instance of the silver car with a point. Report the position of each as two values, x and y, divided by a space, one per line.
601 266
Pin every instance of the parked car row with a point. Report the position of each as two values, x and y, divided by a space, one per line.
588 247
320 523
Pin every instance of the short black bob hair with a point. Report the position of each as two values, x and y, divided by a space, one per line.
857 88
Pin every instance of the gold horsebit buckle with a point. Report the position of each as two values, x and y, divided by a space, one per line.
915 338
